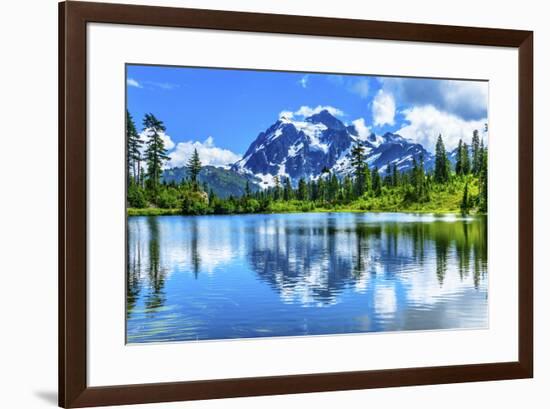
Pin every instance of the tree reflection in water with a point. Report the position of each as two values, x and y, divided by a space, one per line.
315 263
218 277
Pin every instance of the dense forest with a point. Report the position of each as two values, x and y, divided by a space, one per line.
461 187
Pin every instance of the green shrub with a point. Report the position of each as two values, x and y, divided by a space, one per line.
194 203
136 197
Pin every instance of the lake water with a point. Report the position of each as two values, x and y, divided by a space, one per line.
247 276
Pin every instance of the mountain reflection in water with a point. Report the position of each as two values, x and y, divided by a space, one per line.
220 277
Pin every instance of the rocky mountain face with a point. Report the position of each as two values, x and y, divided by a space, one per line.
303 149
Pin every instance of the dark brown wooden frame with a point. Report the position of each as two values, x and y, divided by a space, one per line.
73 388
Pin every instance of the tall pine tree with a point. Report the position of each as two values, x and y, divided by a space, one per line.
465 159
302 190
287 190
276 188
155 152
376 182
358 163
194 165
348 189
133 152
396 177
333 187
442 166
484 181
458 165
476 153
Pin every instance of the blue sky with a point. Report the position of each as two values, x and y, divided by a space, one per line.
221 111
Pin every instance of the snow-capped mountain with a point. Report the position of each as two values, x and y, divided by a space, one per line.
304 148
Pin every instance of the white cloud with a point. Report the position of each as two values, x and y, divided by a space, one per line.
286 114
133 83
465 99
383 108
427 122
306 111
208 152
361 87
362 129
162 85
303 81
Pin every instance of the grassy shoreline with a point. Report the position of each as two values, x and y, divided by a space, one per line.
176 212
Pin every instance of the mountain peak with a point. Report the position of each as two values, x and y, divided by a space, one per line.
303 147
326 118
392 137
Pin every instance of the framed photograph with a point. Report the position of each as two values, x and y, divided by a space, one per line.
255 204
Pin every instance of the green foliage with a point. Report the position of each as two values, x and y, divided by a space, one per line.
303 191
442 166
476 153
361 169
458 164
194 202
376 182
136 196
288 193
465 204
155 152
465 159
484 181
133 153
168 198
195 167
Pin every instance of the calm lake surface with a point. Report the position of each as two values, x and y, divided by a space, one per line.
247 276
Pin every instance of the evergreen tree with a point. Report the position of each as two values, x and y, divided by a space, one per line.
484 182
302 193
367 178
277 188
419 180
441 171
287 190
312 190
321 189
459 154
465 204
155 152
348 189
465 159
376 182
133 153
388 179
358 163
476 153
395 176
333 187
247 191
194 165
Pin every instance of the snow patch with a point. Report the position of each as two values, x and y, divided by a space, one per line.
294 149
278 132
373 158
266 180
